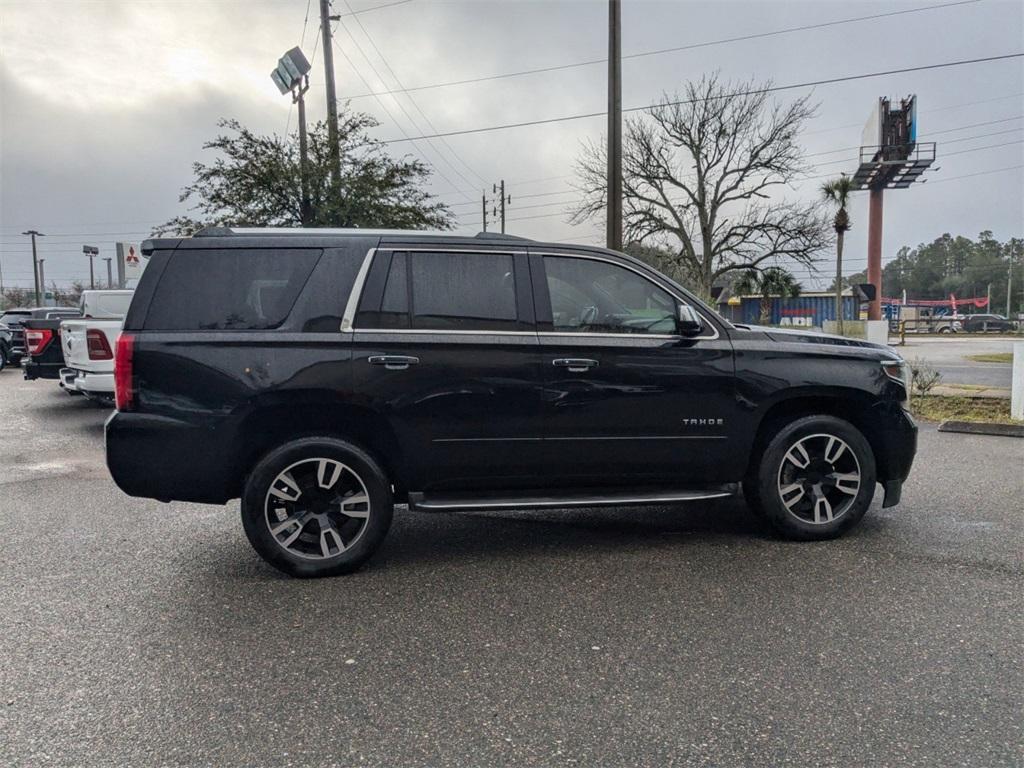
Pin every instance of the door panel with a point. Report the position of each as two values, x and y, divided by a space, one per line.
652 407
463 401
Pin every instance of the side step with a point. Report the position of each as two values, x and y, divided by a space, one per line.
438 502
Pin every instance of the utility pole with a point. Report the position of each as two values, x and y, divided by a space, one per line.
332 97
110 274
35 262
92 252
483 208
614 226
501 204
42 279
1010 283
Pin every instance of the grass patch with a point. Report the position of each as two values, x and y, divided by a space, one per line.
988 410
992 357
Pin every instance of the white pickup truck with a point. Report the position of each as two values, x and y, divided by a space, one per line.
88 344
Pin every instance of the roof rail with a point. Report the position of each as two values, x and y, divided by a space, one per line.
313 231
498 236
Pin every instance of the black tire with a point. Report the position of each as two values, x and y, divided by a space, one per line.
3 358
300 454
763 488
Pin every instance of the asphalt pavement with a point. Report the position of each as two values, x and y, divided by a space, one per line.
949 355
138 633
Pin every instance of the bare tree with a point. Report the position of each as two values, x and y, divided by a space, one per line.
701 175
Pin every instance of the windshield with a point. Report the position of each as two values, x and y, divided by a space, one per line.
9 318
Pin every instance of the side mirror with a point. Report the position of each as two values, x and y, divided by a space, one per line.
688 322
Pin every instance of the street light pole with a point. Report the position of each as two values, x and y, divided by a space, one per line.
110 274
305 207
91 251
42 278
35 262
292 76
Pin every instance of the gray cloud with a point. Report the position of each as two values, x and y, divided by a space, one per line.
101 121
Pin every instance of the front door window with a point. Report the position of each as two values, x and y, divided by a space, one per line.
590 296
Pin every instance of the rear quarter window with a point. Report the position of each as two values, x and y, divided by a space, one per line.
229 289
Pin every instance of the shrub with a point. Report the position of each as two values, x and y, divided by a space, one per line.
924 377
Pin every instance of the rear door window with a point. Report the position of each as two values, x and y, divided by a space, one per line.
229 290
463 291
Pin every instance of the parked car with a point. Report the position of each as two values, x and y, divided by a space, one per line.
322 376
6 337
42 342
13 319
88 345
983 323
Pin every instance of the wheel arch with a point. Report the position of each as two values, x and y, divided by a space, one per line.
853 406
269 423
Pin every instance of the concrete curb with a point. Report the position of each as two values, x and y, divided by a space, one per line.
977 428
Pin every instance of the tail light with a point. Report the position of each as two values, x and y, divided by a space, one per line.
37 339
99 347
124 378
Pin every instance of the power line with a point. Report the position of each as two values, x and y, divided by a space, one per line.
658 52
978 173
978 149
412 101
768 89
374 8
413 139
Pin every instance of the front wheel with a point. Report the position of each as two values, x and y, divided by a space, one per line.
317 506
815 479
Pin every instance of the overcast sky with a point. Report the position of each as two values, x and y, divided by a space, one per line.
104 105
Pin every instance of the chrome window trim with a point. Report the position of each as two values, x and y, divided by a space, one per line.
357 291
441 332
348 319
667 289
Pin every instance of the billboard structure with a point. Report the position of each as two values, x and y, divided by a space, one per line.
891 157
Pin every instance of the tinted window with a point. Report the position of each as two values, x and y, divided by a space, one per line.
589 296
394 306
13 317
463 291
208 290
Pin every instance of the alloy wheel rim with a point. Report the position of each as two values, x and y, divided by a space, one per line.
317 508
819 479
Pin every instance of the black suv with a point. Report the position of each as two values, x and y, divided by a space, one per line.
325 375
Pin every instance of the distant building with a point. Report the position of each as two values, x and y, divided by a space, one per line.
808 310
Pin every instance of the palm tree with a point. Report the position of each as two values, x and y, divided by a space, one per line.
837 192
773 281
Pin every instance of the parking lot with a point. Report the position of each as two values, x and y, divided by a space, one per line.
949 355
138 633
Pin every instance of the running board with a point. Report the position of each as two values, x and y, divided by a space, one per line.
439 502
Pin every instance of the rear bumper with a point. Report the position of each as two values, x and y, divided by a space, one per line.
157 457
34 370
87 383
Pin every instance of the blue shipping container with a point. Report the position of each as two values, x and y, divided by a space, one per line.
802 311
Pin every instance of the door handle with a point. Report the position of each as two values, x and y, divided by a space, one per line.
574 364
393 362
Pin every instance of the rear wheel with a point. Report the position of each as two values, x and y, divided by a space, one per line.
3 358
317 506
815 479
